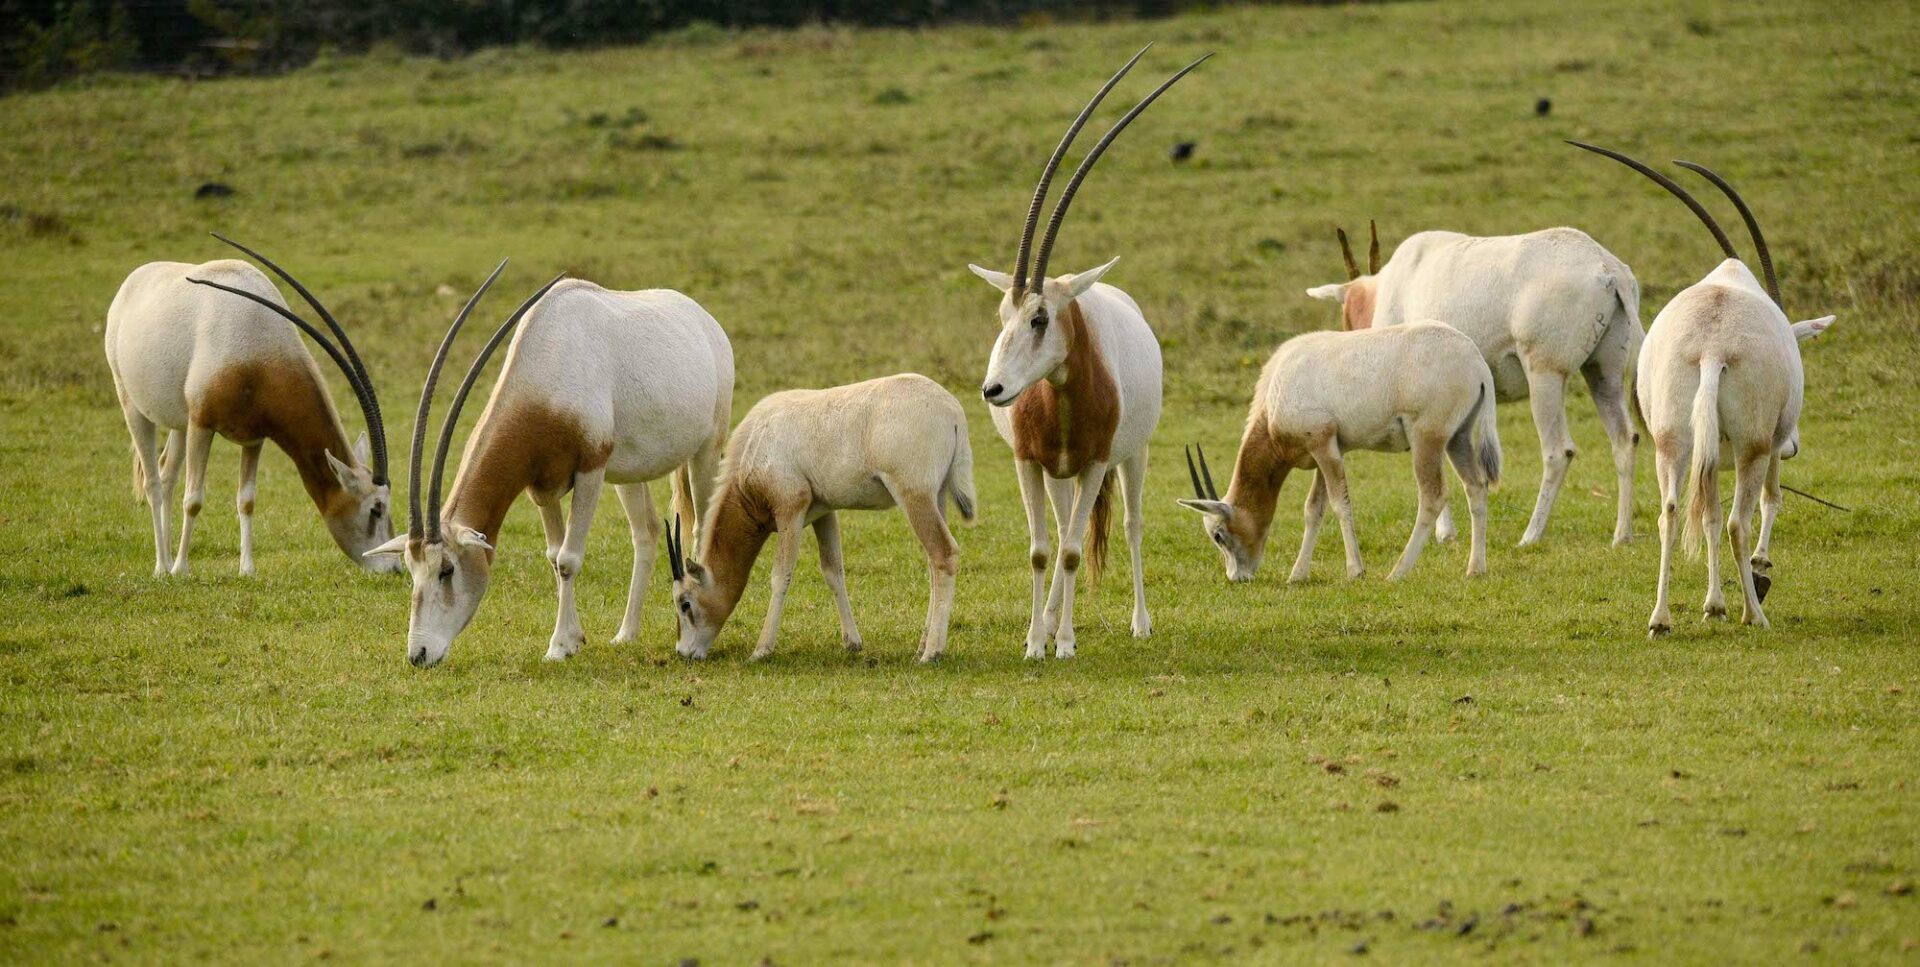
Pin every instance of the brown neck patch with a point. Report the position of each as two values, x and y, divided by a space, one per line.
1356 310
1063 428
282 400
1258 473
736 531
516 448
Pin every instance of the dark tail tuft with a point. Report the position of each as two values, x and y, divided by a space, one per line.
1097 529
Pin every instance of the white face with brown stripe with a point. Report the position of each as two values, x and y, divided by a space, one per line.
1031 347
449 580
359 516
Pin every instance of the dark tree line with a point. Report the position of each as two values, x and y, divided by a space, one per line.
43 41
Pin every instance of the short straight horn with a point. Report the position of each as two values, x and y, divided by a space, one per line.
672 531
1346 254
1198 491
1373 249
1206 474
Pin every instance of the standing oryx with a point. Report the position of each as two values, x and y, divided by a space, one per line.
1421 386
598 387
1721 364
1539 306
197 363
1075 384
800 456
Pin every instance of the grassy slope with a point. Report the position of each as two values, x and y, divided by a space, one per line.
221 769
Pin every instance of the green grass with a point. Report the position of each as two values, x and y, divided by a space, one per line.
228 769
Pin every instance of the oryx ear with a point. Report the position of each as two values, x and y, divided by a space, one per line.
395 547
1336 292
1077 285
469 537
341 471
1804 331
999 280
363 450
696 572
1212 508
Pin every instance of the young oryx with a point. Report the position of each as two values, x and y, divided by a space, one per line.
198 363
598 387
1721 363
1421 385
1539 306
1075 384
801 455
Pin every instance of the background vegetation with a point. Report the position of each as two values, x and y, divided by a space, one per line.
230 769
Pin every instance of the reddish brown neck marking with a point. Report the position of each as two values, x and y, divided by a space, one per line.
1063 428
516 448
283 401
737 529
1356 310
1258 472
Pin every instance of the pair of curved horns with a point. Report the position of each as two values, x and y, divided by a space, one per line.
676 556
343 355
431 531
1746 214
1039 275
1206 493
1373 251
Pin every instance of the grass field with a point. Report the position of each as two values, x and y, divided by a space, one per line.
233 769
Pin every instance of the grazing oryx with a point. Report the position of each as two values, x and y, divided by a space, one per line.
1422 386
1721 363
1075 384
798 457
1539 306
598 387
199 363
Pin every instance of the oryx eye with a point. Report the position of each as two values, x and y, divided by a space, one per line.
1039 321
377 511
1220 538
446 571
686 607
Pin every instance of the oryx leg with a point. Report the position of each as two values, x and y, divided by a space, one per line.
637 501
1607 384
146 450
1133 485
1547 391
1749 480
833 567
1310 515
1333 470
1472 479
1769 511
199 442
1073 542
1033 497
791 527
567 634
1060 495
1670 454
1429 477
243 502
701 473
925 515
1708 494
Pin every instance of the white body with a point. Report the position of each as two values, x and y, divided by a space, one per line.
194 361
800 456
599 386
1539 307
1721 365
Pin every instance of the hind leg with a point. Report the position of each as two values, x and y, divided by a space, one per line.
1607 384
146 453
1428 458
243 502
701 474
1133 485
1749 479
170 461
1709 496
1474 481
194 498
826 533
1769 511
1333 472
1547 392
1669 470
637 501
943 566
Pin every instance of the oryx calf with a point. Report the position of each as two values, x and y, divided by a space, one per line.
1721 365
1420 386
198 363
1539 306
800 456
1075 384
599 387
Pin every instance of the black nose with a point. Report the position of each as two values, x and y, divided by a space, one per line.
418 659
991 392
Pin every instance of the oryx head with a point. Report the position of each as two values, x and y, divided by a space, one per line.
450 563
358 513
1802 331
702 609
1031 347
1357 295
1230 529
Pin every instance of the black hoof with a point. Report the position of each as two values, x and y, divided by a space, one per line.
1761 585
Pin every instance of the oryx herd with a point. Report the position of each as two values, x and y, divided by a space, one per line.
626 387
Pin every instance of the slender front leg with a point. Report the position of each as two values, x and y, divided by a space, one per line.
637 501
1086 490
1608 387
1431 481
826 533
1315 509
943 566
1060 494
785 557
553 523
199 443
1749 479
1669 462
567 634
1133 485
243 502
1033 497
1326 459
1547 391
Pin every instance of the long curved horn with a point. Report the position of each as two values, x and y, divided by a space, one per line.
1667 183
1346 254
414 529
1086 165
1753 227
460 399
1053 164
356 374
1373 249
1206 474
